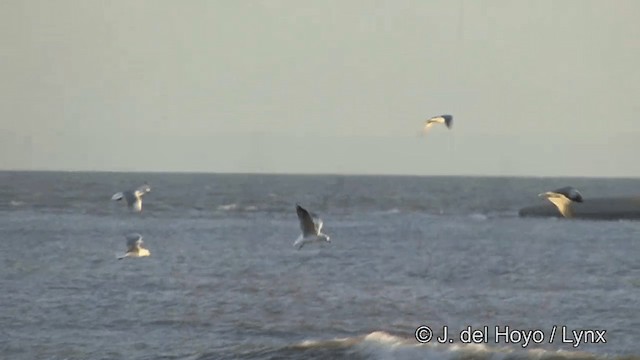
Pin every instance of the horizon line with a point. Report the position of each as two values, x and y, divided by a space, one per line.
315 174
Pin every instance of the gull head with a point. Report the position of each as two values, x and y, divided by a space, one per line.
142 190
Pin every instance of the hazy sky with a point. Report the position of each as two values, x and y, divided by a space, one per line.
547 88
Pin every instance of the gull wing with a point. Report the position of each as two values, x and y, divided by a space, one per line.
317 222
134 240
448 120
307 225
137 205
561 202
127 195
562 199
570 193
130 197
441 119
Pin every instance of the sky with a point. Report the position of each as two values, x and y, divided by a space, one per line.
536 88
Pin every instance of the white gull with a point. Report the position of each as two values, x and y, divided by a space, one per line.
133 197
311 226
134 247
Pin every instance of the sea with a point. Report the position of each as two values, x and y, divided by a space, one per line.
411 259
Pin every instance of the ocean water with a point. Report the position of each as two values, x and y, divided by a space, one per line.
224 282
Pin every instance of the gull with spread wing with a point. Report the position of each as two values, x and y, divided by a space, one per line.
563 198
133 197
447 120
134 247
311 226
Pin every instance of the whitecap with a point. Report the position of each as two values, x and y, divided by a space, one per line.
228 207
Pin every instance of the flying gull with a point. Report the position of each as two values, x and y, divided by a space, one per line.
133 197
310 224
134 246
562 199
442 119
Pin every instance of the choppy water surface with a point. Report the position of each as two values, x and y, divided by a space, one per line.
224 282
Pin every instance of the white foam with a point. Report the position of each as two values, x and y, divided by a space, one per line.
383 345
385 338
228 207
387 212
337 342
478 216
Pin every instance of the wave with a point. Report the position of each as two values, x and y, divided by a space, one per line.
190 210
228 207
381 345
237 208
391 211
478 216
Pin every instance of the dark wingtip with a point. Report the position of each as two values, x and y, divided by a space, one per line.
571 193
448 120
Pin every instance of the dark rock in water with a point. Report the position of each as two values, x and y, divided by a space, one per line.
591 208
